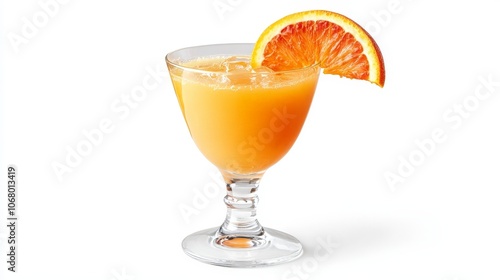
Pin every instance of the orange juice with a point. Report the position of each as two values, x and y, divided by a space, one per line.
243 121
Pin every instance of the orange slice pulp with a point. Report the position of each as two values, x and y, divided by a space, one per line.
340 46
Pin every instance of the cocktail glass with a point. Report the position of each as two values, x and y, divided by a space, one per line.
243 121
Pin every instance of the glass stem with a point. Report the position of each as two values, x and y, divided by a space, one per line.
241 201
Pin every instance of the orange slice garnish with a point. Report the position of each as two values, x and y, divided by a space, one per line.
340 46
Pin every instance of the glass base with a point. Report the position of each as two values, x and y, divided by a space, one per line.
270 248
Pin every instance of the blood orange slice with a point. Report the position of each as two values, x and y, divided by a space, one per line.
340 46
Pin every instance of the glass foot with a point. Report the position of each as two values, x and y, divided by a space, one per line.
269 248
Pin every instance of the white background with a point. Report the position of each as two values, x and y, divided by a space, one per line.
115 214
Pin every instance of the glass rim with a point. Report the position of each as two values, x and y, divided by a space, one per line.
196 70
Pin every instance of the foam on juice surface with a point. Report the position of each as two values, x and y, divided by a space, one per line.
235 72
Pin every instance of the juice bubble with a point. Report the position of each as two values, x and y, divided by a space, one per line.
236 64
238 70
262 76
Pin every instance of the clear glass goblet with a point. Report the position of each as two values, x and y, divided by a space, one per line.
243 120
